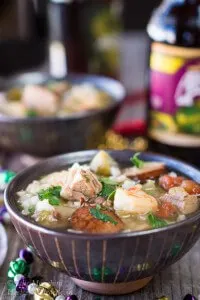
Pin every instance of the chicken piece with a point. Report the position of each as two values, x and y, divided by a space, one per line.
40 99
103 163
149 170
167 182
81 184
185 203
134 200
82 219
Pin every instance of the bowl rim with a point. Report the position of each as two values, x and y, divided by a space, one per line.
73 76
12 209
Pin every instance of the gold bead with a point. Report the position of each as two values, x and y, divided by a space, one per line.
45 291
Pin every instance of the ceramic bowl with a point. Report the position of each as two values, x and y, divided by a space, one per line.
47 136
107 264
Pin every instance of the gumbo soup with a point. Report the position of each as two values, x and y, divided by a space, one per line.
53 99
104 197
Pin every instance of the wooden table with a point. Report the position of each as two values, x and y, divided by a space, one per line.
175 282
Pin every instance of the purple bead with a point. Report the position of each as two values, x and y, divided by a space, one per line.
189 297
26 255
22 286
3 210
72 297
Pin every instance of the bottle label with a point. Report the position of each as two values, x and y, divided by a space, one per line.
175 95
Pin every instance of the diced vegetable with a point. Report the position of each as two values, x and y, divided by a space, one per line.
102 163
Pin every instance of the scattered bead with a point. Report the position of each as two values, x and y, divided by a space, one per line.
26 255
32 288
17 278
72 297
18 266
45 291
189 297
6 218
22 286
60 297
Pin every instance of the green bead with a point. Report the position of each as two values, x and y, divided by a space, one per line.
19 266
9 175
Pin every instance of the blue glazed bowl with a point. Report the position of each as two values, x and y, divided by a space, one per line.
109 264
47 136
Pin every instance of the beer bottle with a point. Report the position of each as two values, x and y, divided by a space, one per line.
174 85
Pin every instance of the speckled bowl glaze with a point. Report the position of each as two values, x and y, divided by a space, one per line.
47 136
107 264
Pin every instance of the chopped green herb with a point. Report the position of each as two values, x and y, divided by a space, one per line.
108 180
31 113
107 190
51 194
112 195
98 206
136 161
156 222
31 210
96 213
109 187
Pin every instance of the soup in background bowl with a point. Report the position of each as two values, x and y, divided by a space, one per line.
110 220
45 117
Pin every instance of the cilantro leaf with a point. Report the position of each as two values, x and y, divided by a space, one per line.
107 190
108 180
31 210
136 161
156 222
97 214
109 187
31 113
51 194
112 195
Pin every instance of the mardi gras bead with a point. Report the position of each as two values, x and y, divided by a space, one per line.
32 288
26 255
17 278
189 297
45 291
22 285
60 297
5 178
19 266
72 297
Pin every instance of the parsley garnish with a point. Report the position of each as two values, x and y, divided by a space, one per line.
51 194
109 187
108 180
136 161
156 222
96 213
31 210
112 195
31 113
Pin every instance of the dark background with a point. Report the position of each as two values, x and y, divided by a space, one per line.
24 35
